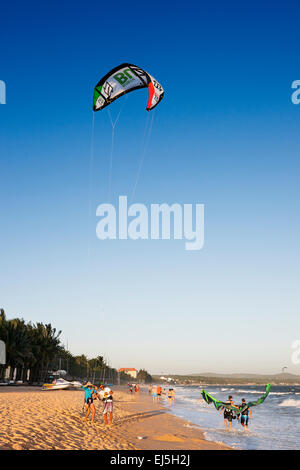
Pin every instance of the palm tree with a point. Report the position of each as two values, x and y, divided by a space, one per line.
17 341
45 346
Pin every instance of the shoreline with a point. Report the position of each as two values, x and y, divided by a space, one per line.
237 384
32 419
165 431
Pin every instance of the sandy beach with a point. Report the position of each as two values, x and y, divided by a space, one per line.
32 419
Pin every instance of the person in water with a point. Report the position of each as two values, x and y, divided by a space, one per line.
228 414
170 396
89 394
245 414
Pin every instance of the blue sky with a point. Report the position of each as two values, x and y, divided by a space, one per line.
226 135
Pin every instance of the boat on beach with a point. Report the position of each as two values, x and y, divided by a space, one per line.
76 384
58 384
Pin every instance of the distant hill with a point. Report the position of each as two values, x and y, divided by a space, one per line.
280 375
235 379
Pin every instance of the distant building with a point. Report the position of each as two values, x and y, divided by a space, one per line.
168 379
130 371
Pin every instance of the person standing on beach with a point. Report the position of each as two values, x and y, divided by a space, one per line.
106 395
245 414
228 414
154 394
89 393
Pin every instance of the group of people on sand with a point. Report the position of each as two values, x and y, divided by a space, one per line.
92 393
157 392
229 415
134 388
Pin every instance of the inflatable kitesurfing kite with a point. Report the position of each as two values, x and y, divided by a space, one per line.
124 79
219 404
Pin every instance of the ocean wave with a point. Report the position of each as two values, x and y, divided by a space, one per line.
195 401
193 426
290 402
260 392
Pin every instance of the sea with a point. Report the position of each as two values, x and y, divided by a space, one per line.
275 424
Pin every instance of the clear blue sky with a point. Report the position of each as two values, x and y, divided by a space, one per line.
226 135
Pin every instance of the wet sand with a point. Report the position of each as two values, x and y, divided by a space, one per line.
32 419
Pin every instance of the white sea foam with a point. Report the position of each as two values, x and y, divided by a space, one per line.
196 401
290 402
191 426
260 392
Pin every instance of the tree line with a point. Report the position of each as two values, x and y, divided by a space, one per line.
34 351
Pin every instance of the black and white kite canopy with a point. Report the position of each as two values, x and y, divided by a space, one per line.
124 79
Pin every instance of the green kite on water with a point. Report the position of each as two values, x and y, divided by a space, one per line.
238 410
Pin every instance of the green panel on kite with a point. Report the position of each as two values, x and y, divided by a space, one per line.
218 404
260 400
221 404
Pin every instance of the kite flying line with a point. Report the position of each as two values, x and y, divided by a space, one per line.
146 140
113 125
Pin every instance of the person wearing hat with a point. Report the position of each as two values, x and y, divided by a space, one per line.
89 393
